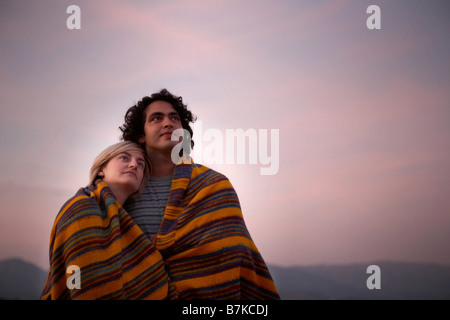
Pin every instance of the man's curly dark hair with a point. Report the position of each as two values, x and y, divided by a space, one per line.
133 128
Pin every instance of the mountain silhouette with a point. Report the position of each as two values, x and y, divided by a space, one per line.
399 280
20 280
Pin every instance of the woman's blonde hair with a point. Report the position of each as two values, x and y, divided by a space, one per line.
112 151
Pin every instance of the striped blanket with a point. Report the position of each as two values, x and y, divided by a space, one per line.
202 251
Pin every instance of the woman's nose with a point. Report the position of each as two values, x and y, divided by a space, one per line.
132 164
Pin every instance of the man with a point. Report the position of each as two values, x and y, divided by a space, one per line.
192 213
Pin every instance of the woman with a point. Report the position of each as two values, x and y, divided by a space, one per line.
123 166
96 238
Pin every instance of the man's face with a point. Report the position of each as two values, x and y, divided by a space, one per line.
161 120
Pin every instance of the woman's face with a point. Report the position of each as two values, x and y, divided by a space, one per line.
125 171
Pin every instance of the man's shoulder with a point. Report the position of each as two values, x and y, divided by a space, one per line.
202 170
204 176
198 176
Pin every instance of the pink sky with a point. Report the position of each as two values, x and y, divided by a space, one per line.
363 116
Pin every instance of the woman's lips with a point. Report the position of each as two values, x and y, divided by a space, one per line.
132 173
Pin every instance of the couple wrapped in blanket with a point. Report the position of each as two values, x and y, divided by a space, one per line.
203 249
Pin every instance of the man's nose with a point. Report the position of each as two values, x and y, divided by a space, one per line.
167 123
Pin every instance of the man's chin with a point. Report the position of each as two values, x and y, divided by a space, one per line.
165 148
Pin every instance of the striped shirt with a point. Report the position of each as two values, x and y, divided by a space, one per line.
148 209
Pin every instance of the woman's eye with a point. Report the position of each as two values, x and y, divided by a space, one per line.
141 165
125 158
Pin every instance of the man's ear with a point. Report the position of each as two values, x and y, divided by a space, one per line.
142 139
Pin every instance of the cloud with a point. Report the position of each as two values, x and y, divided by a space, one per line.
363 116
27 218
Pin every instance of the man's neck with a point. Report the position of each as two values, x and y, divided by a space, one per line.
162 165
